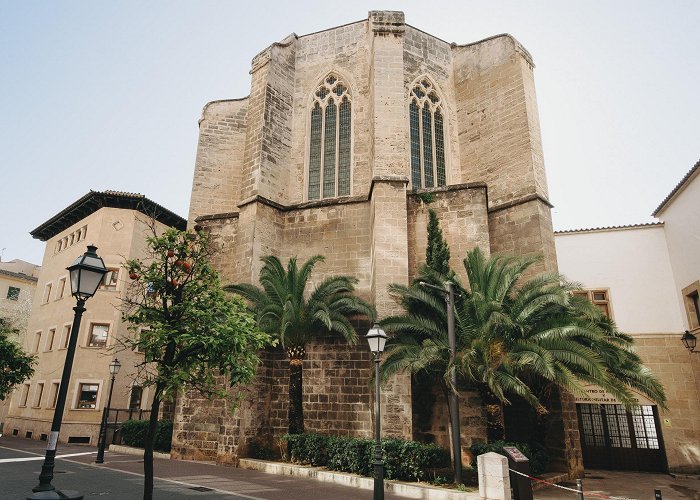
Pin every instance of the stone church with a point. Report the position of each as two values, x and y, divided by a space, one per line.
348 136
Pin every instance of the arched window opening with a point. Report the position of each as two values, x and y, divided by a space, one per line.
426 120
329 141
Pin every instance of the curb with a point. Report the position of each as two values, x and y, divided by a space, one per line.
408 490
128 450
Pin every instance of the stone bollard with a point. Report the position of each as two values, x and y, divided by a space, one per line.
494 480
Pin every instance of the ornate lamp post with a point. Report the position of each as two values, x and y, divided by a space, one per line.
376 337
86 274
114 367
689 341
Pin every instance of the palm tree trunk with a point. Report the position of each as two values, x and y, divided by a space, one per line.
295 415
495 424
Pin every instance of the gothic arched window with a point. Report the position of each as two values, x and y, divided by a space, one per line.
426 118
329 147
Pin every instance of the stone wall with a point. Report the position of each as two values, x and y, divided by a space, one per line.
679 371
461 210
217 170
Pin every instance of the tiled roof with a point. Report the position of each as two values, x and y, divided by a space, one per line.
95 200
678 187
608 228
20 276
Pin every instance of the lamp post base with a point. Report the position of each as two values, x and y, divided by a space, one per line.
56 495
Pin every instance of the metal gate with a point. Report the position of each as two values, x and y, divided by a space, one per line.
616 439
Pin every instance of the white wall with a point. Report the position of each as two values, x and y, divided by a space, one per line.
682 221
634 265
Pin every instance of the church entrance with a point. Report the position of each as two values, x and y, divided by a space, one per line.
616 439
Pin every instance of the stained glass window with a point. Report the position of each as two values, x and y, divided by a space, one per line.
426 120
330 140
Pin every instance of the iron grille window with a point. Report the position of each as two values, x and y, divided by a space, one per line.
329 142
12 293
426 121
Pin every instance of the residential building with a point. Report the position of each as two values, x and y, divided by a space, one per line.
17 286
646 277
118 224
348 137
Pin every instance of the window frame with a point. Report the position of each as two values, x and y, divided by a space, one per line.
323 102
38 394
437 147
92 326
691 305
65 335
53 395
590 296
50 339
24 395
78 391
11 295
113 275
37 341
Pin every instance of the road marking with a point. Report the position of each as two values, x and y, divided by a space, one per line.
29 459
140 475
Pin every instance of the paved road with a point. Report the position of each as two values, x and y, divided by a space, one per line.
120 477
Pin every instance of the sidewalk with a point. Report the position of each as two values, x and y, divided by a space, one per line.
600 484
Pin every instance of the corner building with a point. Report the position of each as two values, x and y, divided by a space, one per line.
348 136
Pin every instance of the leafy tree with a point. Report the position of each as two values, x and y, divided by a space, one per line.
437 253
514 338
285 310
15 364
189 330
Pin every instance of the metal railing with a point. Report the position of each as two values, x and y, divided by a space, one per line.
117 416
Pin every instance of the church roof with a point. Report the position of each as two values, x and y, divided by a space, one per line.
679 187
95 200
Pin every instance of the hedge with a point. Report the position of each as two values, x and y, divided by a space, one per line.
405 460
539 458
134 434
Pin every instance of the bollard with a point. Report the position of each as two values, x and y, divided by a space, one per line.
657 494
579 487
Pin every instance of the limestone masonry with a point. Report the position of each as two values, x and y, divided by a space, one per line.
348 136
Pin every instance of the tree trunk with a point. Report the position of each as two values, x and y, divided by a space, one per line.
148 445
495 425
295 415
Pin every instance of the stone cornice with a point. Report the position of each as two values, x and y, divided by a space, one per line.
520 201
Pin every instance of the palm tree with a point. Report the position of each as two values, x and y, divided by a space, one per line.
514 337
284 309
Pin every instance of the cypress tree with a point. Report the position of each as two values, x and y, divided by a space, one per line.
437 254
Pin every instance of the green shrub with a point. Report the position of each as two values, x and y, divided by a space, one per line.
406 460
134 433
260 449
539 458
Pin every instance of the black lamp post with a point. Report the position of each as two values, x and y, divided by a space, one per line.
86 274
689 341
114 367
376 337
453 398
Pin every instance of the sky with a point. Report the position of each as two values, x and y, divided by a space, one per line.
106 94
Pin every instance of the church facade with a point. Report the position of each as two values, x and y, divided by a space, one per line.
348 137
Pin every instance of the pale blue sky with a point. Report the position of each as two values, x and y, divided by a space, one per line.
106 94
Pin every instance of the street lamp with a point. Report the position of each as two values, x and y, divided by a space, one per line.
114 367
86 274
376 338
453 398
689 341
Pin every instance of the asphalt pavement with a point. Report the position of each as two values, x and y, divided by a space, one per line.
121 477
